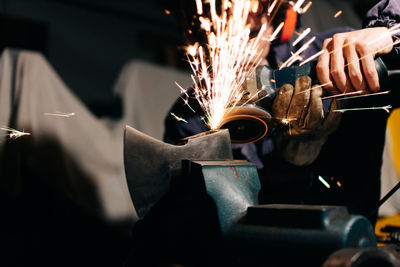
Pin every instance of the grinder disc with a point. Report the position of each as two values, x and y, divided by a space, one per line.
246 123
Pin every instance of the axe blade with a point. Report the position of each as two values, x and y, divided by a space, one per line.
150 163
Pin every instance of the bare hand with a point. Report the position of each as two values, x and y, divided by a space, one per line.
356 51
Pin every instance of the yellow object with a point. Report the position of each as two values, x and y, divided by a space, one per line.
394 127
384 221
393 220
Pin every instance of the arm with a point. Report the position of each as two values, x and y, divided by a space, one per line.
186 120
356 51
384 14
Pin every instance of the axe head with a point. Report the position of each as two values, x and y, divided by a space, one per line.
150 164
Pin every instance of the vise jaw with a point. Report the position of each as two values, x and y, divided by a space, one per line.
266 233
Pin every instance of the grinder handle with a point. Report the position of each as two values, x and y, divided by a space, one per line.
381 69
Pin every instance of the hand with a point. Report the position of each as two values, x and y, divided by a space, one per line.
356 50
303 127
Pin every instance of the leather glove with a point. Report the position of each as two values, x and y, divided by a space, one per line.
302 127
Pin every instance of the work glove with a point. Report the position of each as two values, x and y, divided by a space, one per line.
302 127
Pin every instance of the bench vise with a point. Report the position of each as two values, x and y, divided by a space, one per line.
206 212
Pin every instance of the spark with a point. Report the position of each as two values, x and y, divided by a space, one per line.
187 104
203 119
385 108
324 182
205 24
181 88
312 57
313 88
305 8
60 114
272 7
286 121
344 94
395 27
199 7
392 31
301 36
298 5
220 66
276 32
366 95
337 14
191 49
254 7
178 118
185 100
14 134
294 58
258 100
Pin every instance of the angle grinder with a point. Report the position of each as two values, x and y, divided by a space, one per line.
250 122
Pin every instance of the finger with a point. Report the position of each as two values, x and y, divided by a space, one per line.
315 113
337 65
353 68
282 100
370 73
301 98
323 70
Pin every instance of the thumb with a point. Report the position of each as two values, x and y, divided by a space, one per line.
282 101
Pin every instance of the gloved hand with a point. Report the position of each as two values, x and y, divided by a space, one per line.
301 125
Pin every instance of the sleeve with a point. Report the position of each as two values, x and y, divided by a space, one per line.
184 119
385 13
